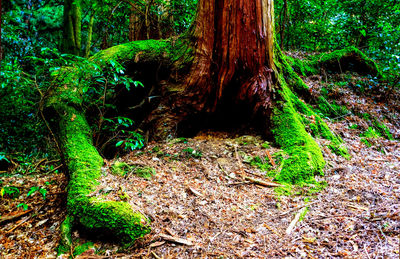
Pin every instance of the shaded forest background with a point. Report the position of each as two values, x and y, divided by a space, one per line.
32 48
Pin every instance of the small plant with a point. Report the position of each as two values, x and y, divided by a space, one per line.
129 139
24 206
10 191
260 163
353 126
35 189
190 152
120 168
144 172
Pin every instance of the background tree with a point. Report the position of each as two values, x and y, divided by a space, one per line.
72 35
1 46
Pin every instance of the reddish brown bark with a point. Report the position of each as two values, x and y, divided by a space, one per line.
234 48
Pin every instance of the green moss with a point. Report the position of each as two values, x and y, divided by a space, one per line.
315 125
65 243
84 164
144 172
382 129
302 67
312 65
290 118
335 57
371 133
331 110
80 249
305 157
120 168
82 159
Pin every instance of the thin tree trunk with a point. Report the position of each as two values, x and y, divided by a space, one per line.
132 24
147 18
72 27
89 37
1 46
284 21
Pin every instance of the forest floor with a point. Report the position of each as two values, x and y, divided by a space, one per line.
203 202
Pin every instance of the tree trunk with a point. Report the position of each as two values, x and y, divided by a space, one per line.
283 22
72 27
90 35
234 48
1 46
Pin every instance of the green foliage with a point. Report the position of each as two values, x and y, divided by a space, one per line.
260 163
24 206
370 133
372 25
80 249
190 152
144 172
9 191
120 168
38 189
20 126
331 110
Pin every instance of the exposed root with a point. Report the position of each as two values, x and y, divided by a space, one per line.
83 161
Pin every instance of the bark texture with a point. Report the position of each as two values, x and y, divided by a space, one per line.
234 48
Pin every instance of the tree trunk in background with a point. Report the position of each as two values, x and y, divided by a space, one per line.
233 53
72 27
1 46
283 22
147 18
89 37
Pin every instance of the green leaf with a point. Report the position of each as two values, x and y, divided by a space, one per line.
23 205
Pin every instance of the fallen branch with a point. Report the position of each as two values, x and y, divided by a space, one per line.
19 224
176 240
294 221
261 182
12 217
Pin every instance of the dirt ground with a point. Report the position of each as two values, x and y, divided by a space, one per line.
201 197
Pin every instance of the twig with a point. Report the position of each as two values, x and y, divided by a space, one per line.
156 244
16 226
196 193
7 218
155 255
56 168
294 209
261 182
294 221
239 161
176 240
270 158
239 183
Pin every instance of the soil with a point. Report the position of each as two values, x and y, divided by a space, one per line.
202 205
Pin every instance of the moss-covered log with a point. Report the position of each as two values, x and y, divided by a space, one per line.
63 108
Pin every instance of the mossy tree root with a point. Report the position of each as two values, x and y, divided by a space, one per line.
63 108
294 123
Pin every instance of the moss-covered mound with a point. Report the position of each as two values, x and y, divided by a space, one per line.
339 61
